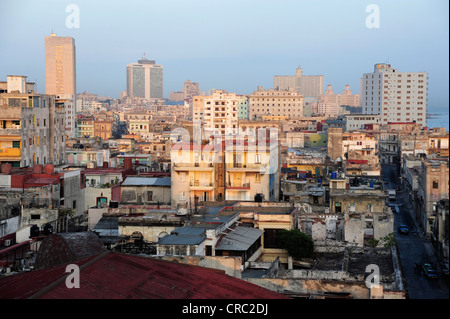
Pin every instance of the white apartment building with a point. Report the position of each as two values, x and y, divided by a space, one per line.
218 112
31 125
275 103
358 121
395 96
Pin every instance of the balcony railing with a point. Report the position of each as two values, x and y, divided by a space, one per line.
196 183
10 152
239 185
193 165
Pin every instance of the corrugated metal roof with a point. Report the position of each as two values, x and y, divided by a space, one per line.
147 181
122 276
187 235
240 238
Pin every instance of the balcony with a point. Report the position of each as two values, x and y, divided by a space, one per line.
197 185
10 131
10 152
182 167
236 186
241 167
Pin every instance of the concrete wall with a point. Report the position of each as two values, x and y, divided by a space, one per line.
91 194
231 265
45 215
151 234
73 194
23 234
312 286
9 226
131 194
354 228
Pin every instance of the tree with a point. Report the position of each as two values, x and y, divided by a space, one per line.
388 241
298 244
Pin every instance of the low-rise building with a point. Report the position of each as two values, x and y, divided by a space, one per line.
433 186
146 190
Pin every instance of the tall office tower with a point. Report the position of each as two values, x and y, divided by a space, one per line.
145 79
60 75
395 96
306 85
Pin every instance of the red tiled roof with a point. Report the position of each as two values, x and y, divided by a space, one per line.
121 276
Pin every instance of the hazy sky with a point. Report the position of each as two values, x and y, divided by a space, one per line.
230 44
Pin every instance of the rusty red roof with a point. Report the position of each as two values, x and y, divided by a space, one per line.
113 275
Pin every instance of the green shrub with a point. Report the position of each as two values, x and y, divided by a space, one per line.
298 244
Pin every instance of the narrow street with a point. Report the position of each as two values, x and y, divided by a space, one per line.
413 248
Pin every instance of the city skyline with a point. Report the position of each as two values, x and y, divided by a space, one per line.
231 45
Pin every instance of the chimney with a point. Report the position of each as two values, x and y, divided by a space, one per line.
6 168
127 163
37 169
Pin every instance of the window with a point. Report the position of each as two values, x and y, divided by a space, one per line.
16 144
271 238
149 196
435 184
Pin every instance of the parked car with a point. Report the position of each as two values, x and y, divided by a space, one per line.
428 271
403 229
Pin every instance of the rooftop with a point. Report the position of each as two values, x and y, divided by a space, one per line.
239 239
121 276
146 181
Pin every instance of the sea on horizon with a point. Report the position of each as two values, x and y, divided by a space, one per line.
437 118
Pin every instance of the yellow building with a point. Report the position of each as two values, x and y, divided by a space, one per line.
217 172
102 129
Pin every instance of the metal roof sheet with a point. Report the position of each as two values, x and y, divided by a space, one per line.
147 181
184 236
122 276
240 238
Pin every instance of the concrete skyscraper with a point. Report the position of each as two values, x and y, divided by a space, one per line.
395 96
145 80
60 75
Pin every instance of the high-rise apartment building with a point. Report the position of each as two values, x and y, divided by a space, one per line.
190 90
145 80
60 75
275 103
395 96
31 125
306 85
218 113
